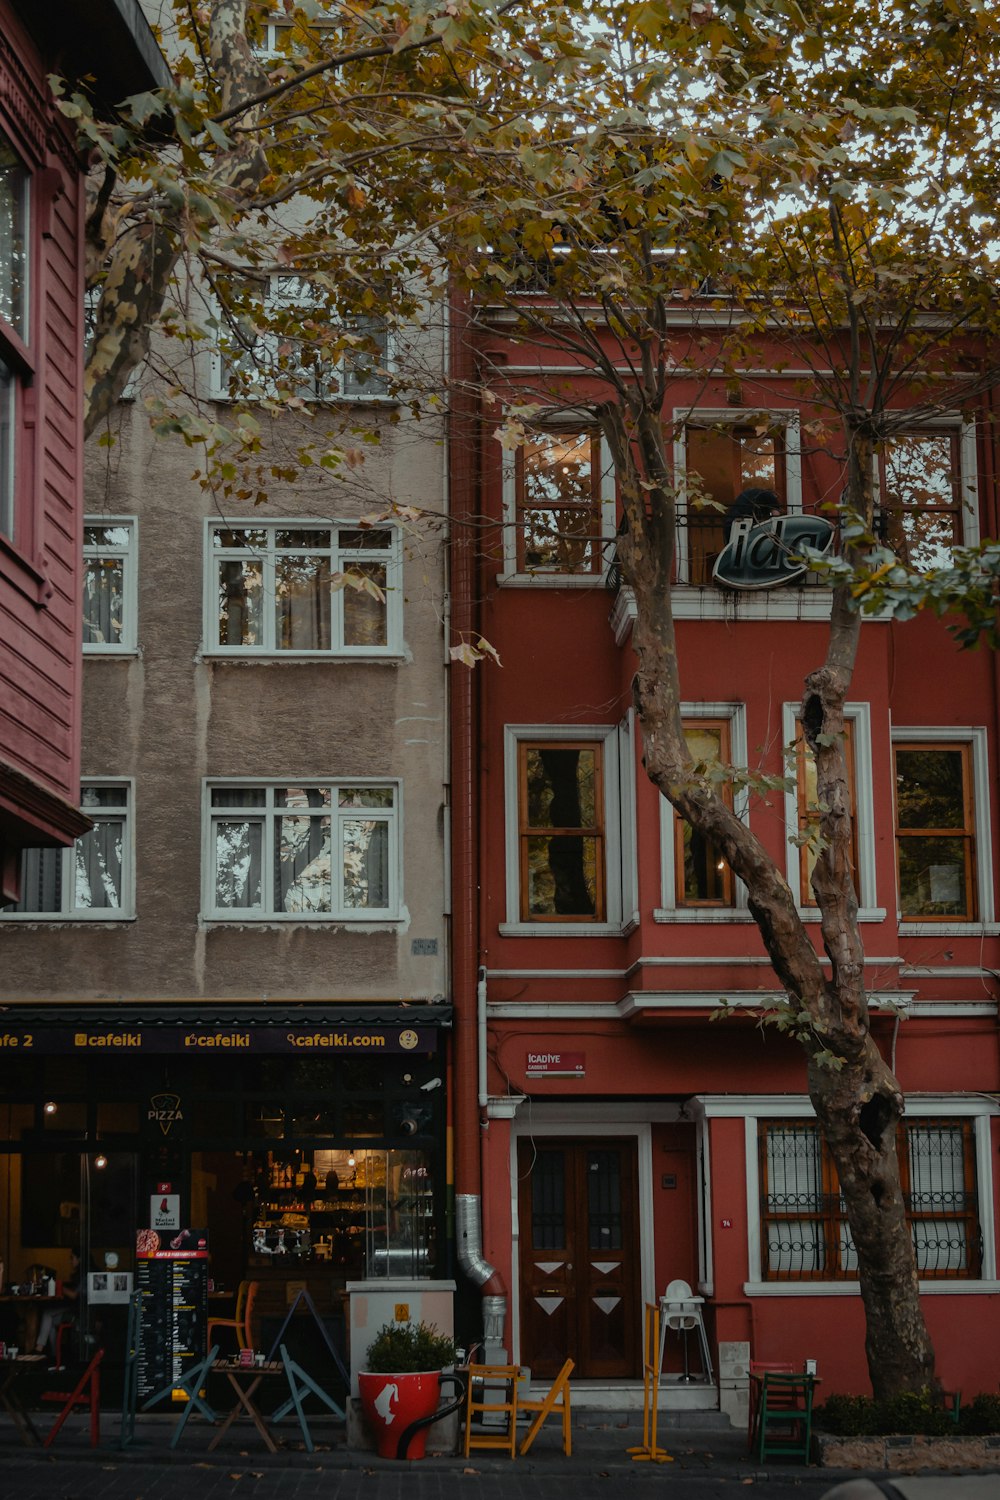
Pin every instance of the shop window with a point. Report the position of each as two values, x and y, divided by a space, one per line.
367 1213
110 590
935 832
315 589
720 459
804 1231
327 851
16 364
920 496
93 879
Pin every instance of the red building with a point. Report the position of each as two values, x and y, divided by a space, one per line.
41 400
629 1139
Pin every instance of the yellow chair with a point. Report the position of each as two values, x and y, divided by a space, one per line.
556 1401
241 1322
496 1388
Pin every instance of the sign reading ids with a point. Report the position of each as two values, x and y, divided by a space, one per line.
769 554
556 1064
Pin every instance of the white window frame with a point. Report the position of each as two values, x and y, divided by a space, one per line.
563 423
391 556
731 416
735 714
859 717
129 555
975 737
918 1107
277 295
354 917
617 748
126 911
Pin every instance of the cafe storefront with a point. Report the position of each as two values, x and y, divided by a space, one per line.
309 1140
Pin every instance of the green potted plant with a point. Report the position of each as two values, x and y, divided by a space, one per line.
401 1382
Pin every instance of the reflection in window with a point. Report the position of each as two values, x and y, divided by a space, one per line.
559 503
561 835
920 497
108 587
93 877
303 850
934 831
703 878
305 589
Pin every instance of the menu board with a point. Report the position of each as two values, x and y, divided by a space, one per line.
172 1278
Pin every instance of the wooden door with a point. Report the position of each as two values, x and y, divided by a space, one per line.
579 1226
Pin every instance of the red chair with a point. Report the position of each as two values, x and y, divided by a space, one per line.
761 1367
86 1392
69 1327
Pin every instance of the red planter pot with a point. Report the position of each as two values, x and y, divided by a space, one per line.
392 1402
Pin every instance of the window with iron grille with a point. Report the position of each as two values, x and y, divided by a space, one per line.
805 1235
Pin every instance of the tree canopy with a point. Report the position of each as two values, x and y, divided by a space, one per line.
654 190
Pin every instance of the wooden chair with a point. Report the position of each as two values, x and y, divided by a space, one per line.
556 1400
784 1416
86 1392
241 1321
760 1367
492 1389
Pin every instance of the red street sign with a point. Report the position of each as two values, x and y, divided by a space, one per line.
541 1064
164 1187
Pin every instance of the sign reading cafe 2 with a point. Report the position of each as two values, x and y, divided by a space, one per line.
765 555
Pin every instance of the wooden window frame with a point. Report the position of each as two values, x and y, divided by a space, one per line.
702 521
831 1220
597 831
592 507
892 515
967 833
727 899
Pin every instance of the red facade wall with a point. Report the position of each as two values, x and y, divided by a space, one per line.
601 995
40 661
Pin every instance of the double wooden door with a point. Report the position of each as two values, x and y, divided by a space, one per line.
579 1257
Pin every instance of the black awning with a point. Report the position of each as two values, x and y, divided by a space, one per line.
300 1028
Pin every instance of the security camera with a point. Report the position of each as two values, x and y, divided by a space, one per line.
408 1125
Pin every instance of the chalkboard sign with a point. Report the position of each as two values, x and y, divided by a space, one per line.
171 1277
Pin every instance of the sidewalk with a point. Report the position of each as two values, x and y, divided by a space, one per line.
704 1448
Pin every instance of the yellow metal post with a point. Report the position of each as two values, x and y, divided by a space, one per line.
652 1361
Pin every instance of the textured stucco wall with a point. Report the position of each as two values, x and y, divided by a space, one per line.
170 717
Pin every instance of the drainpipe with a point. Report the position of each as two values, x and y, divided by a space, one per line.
467 983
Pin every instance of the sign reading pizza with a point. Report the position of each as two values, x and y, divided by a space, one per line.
770 553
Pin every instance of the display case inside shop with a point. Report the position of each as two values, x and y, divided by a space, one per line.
365 1213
